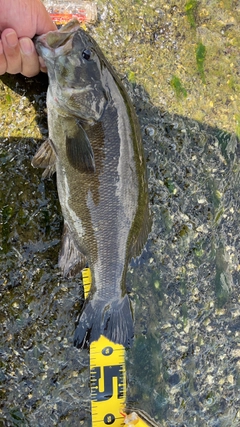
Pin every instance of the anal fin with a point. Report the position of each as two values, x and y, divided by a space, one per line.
71 260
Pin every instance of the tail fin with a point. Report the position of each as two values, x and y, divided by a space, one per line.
112 319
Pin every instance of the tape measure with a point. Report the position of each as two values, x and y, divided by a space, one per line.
108 382
107 375
108 378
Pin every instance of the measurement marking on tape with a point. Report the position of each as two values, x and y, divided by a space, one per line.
107 373
108 382
87 281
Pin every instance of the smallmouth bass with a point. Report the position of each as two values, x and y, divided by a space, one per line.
95 147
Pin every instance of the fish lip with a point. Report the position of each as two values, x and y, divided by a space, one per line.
40 41
63 39
43 41
70 27
49 52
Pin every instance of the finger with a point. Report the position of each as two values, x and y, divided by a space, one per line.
30 62
43 67
3 62
11 50
44 22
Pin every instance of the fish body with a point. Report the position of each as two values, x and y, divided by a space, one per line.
96 149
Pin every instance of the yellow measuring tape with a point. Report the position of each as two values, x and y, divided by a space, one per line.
108 382
107 375
108 378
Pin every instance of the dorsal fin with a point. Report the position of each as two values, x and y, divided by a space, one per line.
141 237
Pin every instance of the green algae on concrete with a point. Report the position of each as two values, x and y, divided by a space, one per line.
200 58
191 7
176 84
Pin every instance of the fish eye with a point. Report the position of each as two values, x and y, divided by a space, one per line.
86 54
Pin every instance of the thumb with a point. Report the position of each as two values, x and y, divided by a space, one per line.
44 22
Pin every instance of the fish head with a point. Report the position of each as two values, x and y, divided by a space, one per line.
75 67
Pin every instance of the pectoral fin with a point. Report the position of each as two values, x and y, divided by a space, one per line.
79 150
71 260
45 157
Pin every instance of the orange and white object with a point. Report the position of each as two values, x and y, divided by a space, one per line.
140 419
62 11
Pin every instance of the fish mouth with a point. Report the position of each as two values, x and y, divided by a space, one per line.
58 41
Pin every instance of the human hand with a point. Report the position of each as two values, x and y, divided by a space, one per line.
20 21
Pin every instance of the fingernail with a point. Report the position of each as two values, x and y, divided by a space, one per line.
26 46
11 39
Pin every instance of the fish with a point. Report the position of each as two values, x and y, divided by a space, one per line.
95 147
